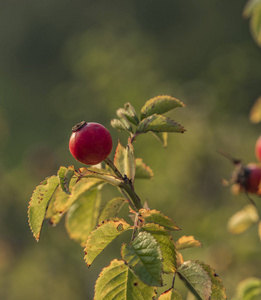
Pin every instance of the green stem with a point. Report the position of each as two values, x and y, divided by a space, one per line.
127 186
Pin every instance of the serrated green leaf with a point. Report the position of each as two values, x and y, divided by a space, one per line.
112 209
157 217
82 216
255 113
39 203
131 114
167 246
143 171
243 219
218 290
121 113
102 236
162 137
143 256
171 294
202 280
255 24
185 242
159 123
117 282
159 105
196 278
65 175
248 289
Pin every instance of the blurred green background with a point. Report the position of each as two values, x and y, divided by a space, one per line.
62 62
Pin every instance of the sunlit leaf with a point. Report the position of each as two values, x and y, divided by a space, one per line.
255 113
39 203
157 217
112 208
159 105
166 244
187 242
101 237
119 158
248 289
143 256
117 282
82 216
143 171
159 123
121 113
171 294
243 219
65 175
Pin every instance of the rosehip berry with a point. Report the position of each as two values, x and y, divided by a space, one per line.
249 178
90 143
258 148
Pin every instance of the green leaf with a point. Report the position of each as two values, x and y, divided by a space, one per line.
218 290
159 123
157 217
117 282
131 114
196 278
82 216
101 237
65 175
143 171
248 289
202 280
167 246
185 242
160 105
171 294
119 158
143 256
121 113
39 203
118 124
255 24
243 219
112 208
162 137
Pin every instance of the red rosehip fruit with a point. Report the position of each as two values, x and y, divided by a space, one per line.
90 143
258 148
249 178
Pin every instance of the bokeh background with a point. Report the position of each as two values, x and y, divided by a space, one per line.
62 62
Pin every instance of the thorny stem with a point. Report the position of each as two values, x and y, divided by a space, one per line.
127 186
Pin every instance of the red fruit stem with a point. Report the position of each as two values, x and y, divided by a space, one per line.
127 186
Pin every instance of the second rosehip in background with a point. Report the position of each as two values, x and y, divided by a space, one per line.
90 143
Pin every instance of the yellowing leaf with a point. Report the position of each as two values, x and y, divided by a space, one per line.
171 294
243 219
65 175
187 242
112 209
143 171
